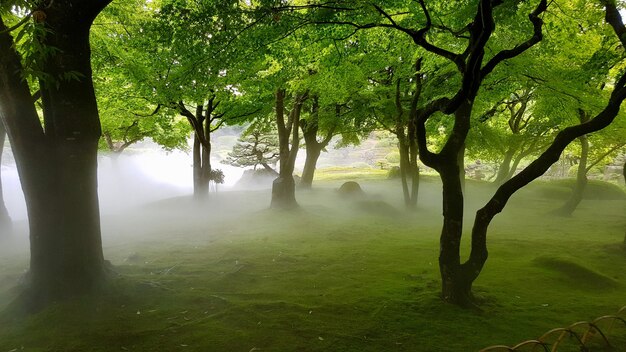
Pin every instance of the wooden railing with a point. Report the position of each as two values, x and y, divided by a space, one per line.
585 336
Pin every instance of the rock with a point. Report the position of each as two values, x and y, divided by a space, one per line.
350 189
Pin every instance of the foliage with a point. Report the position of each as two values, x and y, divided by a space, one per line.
255 147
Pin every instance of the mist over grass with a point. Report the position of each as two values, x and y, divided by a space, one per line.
339 274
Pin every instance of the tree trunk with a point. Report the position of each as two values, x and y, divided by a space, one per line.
403 149
581 175
413 167
313 153
505 167
455 287
58 165
310 130
5 219
455 283
581 181
283 188
200 183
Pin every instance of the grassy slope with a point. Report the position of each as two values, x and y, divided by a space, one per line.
334 276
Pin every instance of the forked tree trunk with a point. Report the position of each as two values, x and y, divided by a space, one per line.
408 171
284 187
58 165
201 124
407 142
5 219
313 147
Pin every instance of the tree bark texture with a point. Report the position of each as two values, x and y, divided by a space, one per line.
57 162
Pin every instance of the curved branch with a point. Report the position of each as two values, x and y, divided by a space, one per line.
520 48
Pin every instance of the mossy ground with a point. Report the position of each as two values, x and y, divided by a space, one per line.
330 276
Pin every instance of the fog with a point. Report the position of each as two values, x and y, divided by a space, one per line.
145 196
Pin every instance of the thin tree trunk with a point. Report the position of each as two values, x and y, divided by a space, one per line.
505 167
404 168
413 167
206 155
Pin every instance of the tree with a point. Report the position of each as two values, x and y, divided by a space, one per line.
255 147
5 219
310 130
182 57
283 188
56 161
466 50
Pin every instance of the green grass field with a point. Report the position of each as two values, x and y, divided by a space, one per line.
336 275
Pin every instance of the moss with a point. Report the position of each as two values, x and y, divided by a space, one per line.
329 278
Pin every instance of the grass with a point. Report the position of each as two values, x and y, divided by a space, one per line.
332 276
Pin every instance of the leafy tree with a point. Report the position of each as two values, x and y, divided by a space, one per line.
125 116
56 160
471 47
185 60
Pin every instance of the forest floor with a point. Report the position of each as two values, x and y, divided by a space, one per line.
339 274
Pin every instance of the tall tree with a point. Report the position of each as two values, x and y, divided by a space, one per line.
182 57
56 161
468 47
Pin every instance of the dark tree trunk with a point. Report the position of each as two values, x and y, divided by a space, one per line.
403 149
5 219
538 167
283 188
58 165
201 124
455 285
414 170
407 142
200 184
408 171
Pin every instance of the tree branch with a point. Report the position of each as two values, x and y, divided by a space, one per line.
520 48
